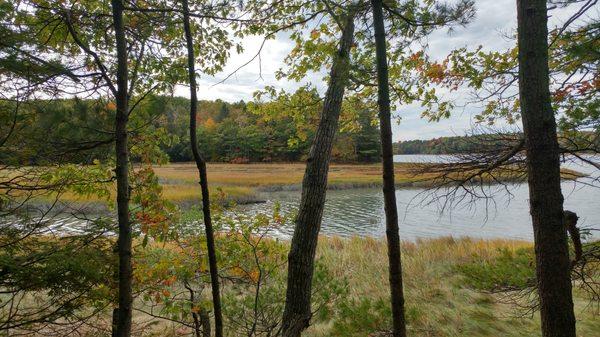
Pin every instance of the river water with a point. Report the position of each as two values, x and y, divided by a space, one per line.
360 211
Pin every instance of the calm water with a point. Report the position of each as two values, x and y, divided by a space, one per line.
360 211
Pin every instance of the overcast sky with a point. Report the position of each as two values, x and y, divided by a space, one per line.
495 19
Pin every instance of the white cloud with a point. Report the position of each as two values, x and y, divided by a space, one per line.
494 22
238 80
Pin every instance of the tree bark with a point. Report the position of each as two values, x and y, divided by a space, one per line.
543 166
205 323
201 166
122 175
389 188
297 312
570 220
199 331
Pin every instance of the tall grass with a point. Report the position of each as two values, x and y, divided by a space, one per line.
439 302
242 182
261 174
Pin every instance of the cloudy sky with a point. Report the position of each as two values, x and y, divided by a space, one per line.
495 19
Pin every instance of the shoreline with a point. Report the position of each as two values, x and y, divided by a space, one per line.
245 183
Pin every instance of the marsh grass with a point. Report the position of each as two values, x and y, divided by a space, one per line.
242 183
442 298
263 175
445 285
242 180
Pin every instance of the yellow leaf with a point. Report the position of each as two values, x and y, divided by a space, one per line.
314 34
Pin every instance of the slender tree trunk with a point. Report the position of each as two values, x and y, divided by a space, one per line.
195 315
570 220
389 188
297 313
201 165
205 323
122 172
197 325
115 322
543 166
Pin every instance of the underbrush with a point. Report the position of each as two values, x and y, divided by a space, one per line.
449 284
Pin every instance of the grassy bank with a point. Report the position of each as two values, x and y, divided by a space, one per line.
447 285
442 298
243 182
268 176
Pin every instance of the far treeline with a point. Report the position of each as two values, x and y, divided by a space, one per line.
244 132
441 145
227 132
468 143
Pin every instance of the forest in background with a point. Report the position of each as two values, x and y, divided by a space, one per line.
440 145
471 143
227 132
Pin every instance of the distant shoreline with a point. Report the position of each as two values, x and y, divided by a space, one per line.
244 183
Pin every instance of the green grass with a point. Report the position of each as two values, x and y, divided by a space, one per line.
510 269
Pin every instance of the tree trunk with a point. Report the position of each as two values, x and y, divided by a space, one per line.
201 165
570 220
297 313
196 315
543 166
122 172
115 322
205 323
389 188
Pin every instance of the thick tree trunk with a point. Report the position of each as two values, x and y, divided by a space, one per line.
543 166
297 313
389 188
201 165
122 172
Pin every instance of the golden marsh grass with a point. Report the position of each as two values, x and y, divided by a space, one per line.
241 182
